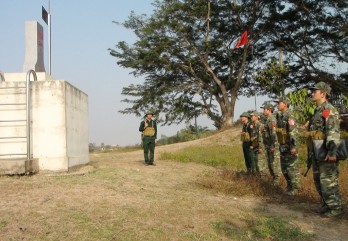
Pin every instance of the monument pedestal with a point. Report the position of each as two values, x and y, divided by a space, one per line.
59 123
58 116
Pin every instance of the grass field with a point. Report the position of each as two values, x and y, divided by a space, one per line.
230 163
197 191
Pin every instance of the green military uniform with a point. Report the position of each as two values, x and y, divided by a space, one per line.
286 134
149 136
269 137
257 152
262 157
325 123
245 138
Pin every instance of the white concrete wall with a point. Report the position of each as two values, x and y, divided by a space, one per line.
49 125
59 123
77 126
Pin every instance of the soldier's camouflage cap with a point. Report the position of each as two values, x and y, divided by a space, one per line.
254 113
285 100
324 87
267 105
245 114
149 112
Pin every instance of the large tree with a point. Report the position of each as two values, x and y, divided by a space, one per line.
185 52
312 35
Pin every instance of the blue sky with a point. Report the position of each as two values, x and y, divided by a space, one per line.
82 32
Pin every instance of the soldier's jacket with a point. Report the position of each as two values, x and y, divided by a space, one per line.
245 135
256 135
286 129
326 120
269 134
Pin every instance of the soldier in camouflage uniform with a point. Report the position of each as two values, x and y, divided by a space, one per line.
148 127
257 147
269 137
245 138
325 123
286 134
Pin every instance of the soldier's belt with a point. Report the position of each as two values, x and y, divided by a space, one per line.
314 135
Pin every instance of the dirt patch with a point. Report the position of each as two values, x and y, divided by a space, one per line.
116 197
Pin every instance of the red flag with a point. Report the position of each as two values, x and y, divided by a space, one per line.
243 40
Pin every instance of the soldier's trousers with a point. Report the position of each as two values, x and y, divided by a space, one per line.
262 163
325 175
149 149
273 162
289 167
247 156
254 154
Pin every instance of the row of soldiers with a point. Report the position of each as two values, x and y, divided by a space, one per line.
271 144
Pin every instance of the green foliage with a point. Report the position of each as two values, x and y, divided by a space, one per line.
275 228
187 134
302 107
92 147
3 224
212 155
345 100
229 229
262 228
185 52
272 78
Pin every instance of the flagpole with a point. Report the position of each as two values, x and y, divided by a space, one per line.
49 37
253 74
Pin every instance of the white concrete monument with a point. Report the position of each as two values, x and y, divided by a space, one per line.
34 47
55 137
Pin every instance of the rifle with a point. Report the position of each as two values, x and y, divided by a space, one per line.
142 134
309 163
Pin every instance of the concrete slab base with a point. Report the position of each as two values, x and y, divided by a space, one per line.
19 166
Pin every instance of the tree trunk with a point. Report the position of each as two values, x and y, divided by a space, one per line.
228 118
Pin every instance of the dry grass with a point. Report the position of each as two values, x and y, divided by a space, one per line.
224 152
116 197
239 183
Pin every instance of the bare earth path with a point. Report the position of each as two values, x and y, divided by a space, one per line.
118 198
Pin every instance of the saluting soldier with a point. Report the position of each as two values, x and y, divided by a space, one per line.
325 123
246 143
269 137
286 134
148 127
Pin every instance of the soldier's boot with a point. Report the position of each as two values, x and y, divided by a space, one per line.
262 173
323 209
275 181
333 213
292 189
292 192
